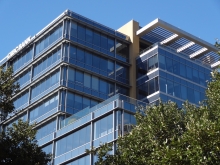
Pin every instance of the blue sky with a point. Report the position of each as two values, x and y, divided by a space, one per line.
20 19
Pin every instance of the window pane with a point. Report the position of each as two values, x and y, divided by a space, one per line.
78 102
183 92
104 42
189 72
103 64
73 52
79 76
163 85
103 86
95 83
89 35
71 74
88 58
95 61
176 69
96 39
87 80
169 65
80 55
74 29
182 70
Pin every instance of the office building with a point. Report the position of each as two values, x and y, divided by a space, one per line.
81 81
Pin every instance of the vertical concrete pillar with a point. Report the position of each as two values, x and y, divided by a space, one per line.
130 29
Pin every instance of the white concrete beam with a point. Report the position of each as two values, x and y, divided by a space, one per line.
185 46
197 52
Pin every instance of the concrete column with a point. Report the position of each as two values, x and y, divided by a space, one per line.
130 29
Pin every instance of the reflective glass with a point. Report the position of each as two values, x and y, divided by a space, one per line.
162 63
73 141
96 39
87 80
81 32
89 35
183 92
79 77
95 83
46 130
44 107
169 64
74 29
103 126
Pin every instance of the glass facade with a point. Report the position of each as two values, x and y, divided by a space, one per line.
75 78
174 76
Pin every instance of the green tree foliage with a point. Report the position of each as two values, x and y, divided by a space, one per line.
7 88
18 146
167 134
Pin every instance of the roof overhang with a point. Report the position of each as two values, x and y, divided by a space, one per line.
166 34
157 22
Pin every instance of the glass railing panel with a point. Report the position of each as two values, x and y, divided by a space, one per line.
46 139
45 70
46 115
44 93
72 154
23 66
105 139
25 84
71 125
49 47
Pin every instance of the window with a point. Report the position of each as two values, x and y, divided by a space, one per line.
96 39
81 32
95 83
104 42
79 77
72 52
73 141
71 74
89 35
103 126
73 29
87 80
80 55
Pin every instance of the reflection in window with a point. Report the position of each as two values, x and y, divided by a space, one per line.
122 90
75 103
146 66
129 122
21 60
48 40
91 62
122 51
147 88
73 141
103 126
90 84
44 107
21 101
48 149
44 84
46 130
96 40
46 62
84 160
23 78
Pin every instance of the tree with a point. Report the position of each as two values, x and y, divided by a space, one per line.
8 87
169 135
18 145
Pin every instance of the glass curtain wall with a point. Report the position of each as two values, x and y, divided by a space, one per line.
48 40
